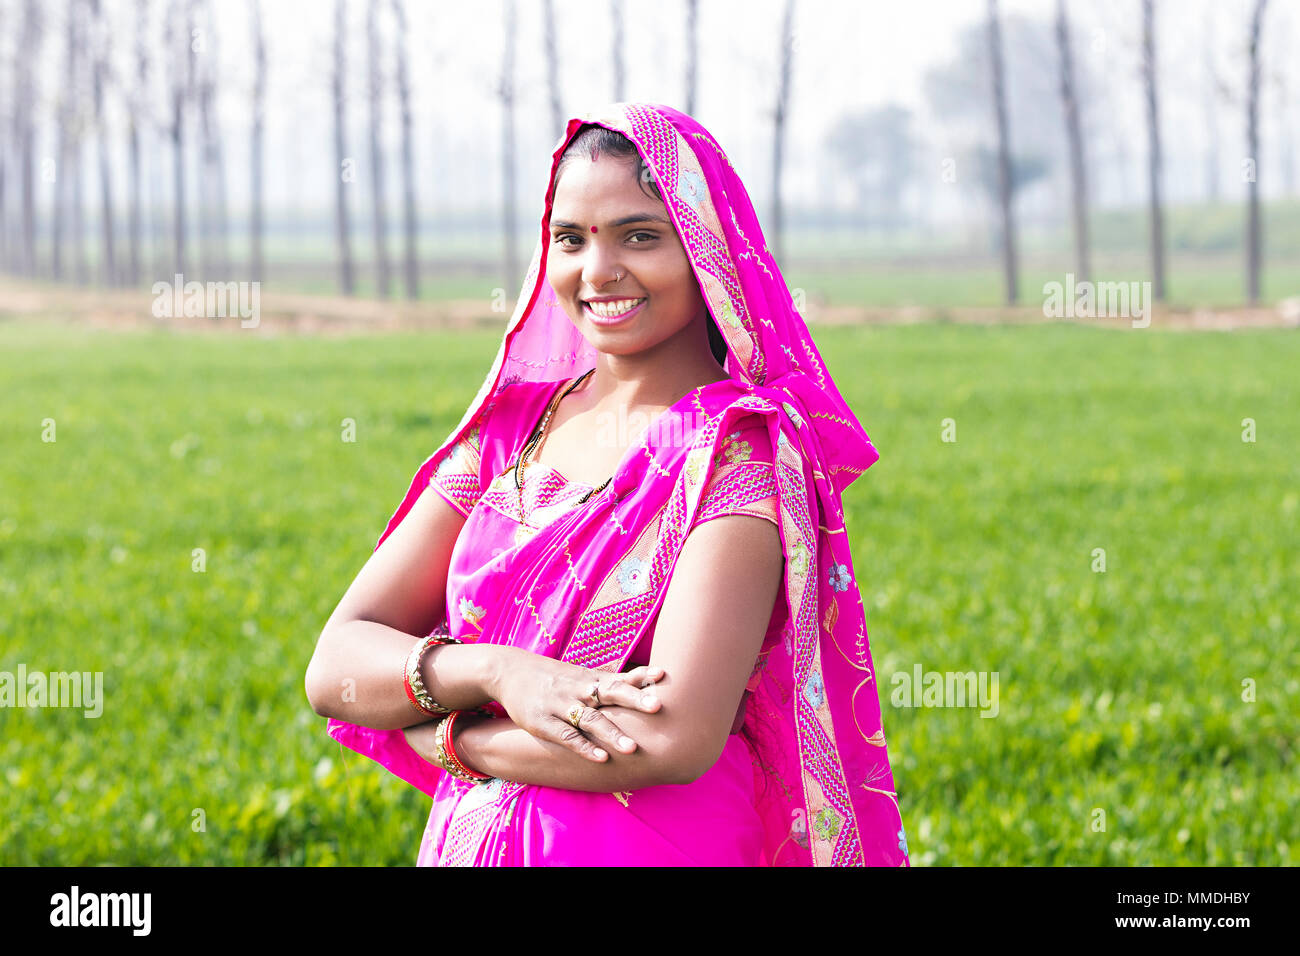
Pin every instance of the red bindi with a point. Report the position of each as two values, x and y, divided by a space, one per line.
593 228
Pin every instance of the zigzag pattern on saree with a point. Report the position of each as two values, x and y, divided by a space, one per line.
821 761
605 634
707 251
463 489
743 483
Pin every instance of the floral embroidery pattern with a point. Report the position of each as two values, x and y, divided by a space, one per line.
839 577
471 613
634 576
448 462
902 840
694 462
814 690
691 188
827 823
794 415
734 450
799 558
729 314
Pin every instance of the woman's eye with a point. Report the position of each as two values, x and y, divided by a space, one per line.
559 240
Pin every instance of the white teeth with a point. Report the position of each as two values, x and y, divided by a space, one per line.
615 308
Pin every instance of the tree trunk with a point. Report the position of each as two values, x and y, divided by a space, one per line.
255 145
214 155
136 108
1078 165
778 131
99 47
1253 238
409 210
1153 153
1010 266
347 283
552 65
77 231
25 59
379 216
178 89
507 94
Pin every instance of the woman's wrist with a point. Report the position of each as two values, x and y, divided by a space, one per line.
468 735
464 676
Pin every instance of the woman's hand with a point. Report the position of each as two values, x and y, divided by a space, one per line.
539 692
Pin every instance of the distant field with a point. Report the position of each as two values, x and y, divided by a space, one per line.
1120 691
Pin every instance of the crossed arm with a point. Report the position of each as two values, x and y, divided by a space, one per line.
707 637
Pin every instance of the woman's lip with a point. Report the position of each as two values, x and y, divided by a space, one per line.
615 320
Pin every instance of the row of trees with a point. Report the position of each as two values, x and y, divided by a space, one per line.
167 90
170 91
186 74
1069 98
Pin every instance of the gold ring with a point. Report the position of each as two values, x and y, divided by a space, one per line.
594 693
574 716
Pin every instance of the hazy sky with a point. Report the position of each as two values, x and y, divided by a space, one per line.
848 55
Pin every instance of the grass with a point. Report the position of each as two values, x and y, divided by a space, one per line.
1120 692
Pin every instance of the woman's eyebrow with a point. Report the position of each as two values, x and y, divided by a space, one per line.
625 221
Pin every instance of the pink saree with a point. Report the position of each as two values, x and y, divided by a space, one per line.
808 781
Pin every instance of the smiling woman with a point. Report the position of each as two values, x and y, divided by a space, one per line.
616 192
643 649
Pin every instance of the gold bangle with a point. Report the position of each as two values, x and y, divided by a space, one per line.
419 695
440 753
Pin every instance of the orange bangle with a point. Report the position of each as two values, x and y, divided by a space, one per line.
450 750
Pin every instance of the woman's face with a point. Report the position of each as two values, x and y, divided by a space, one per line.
633 254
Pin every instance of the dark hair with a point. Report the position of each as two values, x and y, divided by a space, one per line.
594 139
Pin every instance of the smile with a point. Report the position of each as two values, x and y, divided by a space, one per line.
607 313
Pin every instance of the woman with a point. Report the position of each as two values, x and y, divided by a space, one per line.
651 646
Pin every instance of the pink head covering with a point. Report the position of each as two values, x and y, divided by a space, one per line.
818 711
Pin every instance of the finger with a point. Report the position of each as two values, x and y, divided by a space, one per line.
603 730
567 735
625 690
644 676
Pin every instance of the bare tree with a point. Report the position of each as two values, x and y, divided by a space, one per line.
1153 153
552 64
212 183
136 105
178 43
692 52
25 56
778 128
63 164
379 217
620 67
347 282
255 143
1078 164
408 162
1252 152
1009 263
506 91
99 54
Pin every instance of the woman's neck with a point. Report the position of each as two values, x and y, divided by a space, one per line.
622 381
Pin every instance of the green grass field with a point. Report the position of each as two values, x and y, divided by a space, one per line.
1120 691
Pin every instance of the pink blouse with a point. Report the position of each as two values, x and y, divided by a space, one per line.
550 825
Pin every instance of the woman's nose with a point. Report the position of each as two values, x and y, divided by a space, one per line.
599 267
